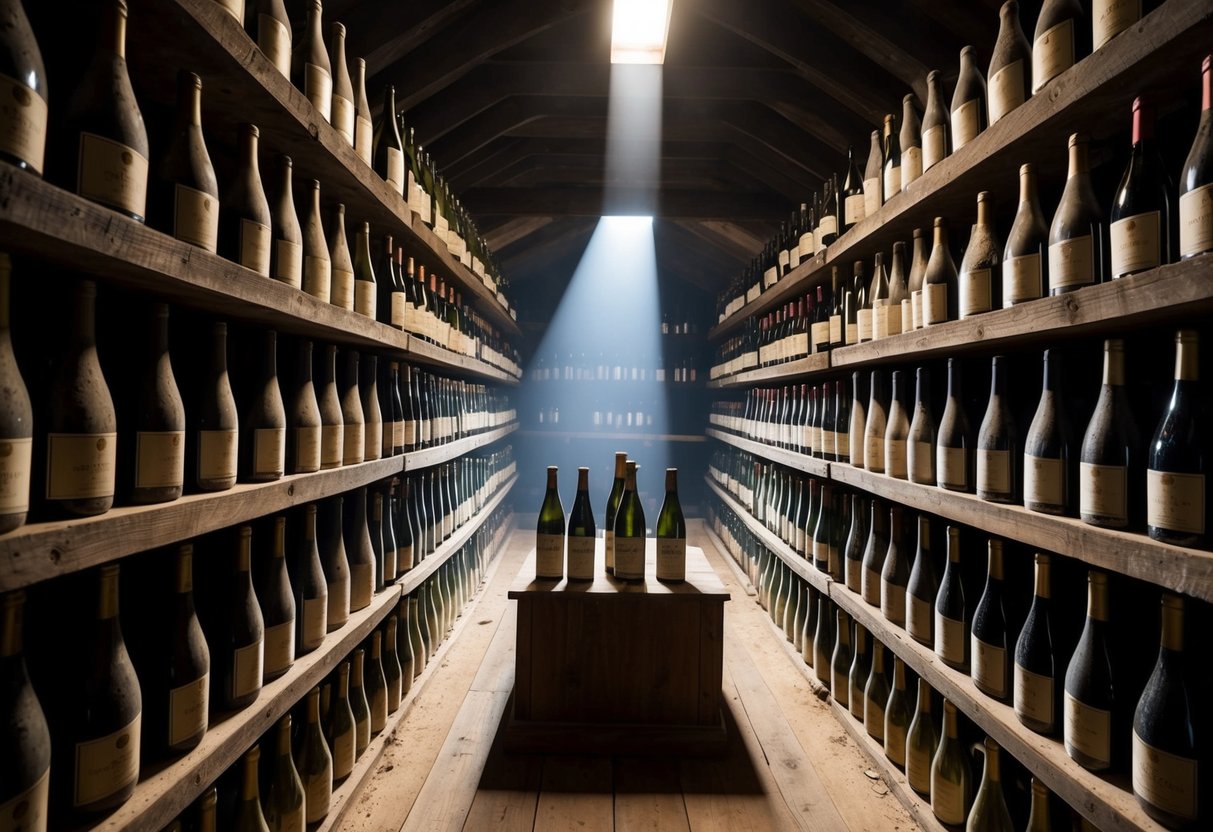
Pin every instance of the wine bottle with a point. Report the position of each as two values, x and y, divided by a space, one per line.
1055 45
1111 17
875 425
935 123
876 695
331 537
857 538
248 816
920 444
159 437
950 611
612 508
311 592
910 141
671 533
897 432
341 289
23 89
863 305
899 319
317 267
871 177
388 153
186 192
988 638
26 764
372 414
878 298
393 673
922 589
216 425
581 531
873 555
841 660
343 107
969 110
365 286
359 705
1048 449
286 253
1166 746
989 812
264 434
244 213
939 285
1023 263
897 717
81 436
359 550
341 731
314 763
1110 459
857 426
1140 223
921 742
97 735
918 273
1175 466
951 788
311 72
354 420
852 192
891 173
274 34
630 531
861 669
238 637
1076 237
997 442
549 533
1035 687
104 142
1038 817
1095 716
980 269
285 801
954 445
1196 178
1010 75
364 131
278 609
332 424
16 414
895 572
305 428
375 684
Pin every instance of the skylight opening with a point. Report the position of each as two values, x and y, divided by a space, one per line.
639 31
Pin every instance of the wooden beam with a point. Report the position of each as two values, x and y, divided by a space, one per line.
966 23
514 230
702 231
591 202
560 239
382 33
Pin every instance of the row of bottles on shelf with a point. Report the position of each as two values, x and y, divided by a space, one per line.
678 322
1107 476
1061 677
101 150
617 417
569 549
618 367
1080 247
114 714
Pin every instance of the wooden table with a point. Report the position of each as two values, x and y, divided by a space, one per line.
607 666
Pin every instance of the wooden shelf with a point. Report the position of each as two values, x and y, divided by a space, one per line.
167 792
623 437
426 353
416 460
790 371
801 462
1188 571
1161 53
241 85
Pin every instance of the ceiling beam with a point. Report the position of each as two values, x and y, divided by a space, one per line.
382 33
591 202
966 22
514 230
726 245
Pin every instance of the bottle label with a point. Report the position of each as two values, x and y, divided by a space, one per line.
343 753
113 174
364 298
248 664
1196 221
934 146
315 621
289 265
609 537
343 117
1052 54
873 451
989 667
397 434
363 137
895 463
966 123
372 438
770 277
318 793
993 472
829 440
869 586
821 334
362 585
842 444
318 88
1175 501
893 602
953 473
852 333
549 556
1135 244
871 197
864 319
911 165
1111 17
916 309
279 647
1042 481
919 614
332 443
15 458
629 557
892 181
395 170
1033 696
835 329
400 310
907 315
1006 90
22 128
948 802
317 277
853 209
160 459
921 463
410 434
195 217
269 451
1088 731
108 764
255 246
881 318
808 245
341 292
27 812
1021 279
187 710
274 40
1164 780
353 444
784 256
217 454
581 558
975 292
949 639
80 466
935 304
918 767
828 226
1103 491
307 449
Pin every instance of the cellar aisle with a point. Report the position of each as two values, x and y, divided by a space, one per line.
790 765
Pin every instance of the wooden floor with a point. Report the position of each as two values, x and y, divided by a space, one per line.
790 765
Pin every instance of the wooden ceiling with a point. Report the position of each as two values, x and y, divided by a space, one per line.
760 100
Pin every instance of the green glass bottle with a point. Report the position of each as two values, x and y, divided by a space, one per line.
876 695
990 812
549 534
359 705
621 471
921 742
839 681
341 731
629 531
581 531
314 763
897 717
672 534
950 784
861 668
284 797
249 817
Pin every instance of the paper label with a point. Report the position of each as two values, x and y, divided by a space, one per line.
1165 780
343 753
853 209
951 468
993 472
160 459
247 666
821 335
1033 696
827 226
15 460
893 602
317 795
269 451
549 556
842 444
921 465
873 452
989 667
400 310
1006 90
332 445
318 88
395 170
343 117
279 647
187 710
1111 17
1021 279
289 264
934 304
1175 501
975 292
353 444
835 329
864 319
22 131
314 621
808 245
217 454
919 614
871 197
107 764
892 181
966 123
80 466
364 133
274 40
112 174
255 246
609 537
1071 263
880 321
307 449
195 217
27 812
364 298
895 464
1052 54
911 165
1088 731
1196 221
629 557
1042 481
362 585
918 767
672 558
948 803
916 309
934 146
317 277
581 558
949 638
1135 244
1103 491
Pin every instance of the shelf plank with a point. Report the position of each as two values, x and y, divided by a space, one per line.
791 371
416 460
1160 53
801 462
166 793
1183 570
624 437
427 353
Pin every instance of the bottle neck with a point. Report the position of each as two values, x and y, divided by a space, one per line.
950 727
305 362
115 35
924 696
1079 164
243 550
248 150
191 105
995 561
284 736
1027 185
107 594
338 41
941 236
285 184
1206 89
1097 597
356 670
376 646
269 356
1143 124
1042 576
993 758
1186 358
309 524
997 379
12 607
84 332
983 212
1173 623
551 480
1114 365
279 538
899 675
248 791
185 570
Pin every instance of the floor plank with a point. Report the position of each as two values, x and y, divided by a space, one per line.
648 796
577 793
